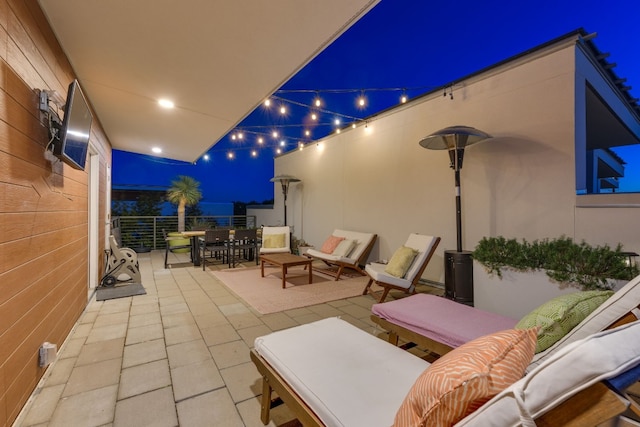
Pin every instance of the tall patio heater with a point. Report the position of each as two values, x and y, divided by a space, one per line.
285 180
458 264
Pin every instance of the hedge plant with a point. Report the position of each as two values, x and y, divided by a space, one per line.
563 260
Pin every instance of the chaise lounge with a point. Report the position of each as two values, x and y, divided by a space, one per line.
405 267
345 249
419 319
330 373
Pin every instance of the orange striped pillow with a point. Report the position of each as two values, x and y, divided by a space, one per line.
464 379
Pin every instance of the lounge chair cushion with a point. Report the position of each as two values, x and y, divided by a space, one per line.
556 317
331 244
344 248
347 376
441 319
401 261
464 379
572 368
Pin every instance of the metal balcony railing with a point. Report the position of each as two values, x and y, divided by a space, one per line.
146 231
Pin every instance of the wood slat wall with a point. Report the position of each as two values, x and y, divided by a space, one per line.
43 207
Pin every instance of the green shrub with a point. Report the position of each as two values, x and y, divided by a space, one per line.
564 260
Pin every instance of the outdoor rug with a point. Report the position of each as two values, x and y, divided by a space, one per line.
120 291
265 294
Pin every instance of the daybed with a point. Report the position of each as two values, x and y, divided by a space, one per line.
345 249
438 324
405 267
330 373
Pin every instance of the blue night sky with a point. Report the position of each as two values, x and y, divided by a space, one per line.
412 46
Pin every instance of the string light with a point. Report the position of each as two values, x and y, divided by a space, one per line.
362 101
316 109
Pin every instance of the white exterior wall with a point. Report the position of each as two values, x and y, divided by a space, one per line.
519 184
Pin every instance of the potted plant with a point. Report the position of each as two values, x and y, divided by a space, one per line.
299 246
514 277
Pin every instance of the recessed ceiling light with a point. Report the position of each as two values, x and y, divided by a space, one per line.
165 103
157 150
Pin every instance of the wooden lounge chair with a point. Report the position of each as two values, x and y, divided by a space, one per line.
275 240
355 258
425 245
329 373
419 319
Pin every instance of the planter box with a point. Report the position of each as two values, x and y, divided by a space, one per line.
516 293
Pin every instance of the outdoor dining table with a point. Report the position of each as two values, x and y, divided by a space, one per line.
195 244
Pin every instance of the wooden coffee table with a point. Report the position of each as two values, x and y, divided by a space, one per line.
285 261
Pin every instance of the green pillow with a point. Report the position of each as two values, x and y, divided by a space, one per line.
401 261
272 241
557 317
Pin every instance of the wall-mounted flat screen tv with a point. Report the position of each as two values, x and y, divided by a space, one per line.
75 130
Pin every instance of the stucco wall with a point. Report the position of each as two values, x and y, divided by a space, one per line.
519 184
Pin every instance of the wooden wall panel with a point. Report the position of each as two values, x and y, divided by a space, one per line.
43 207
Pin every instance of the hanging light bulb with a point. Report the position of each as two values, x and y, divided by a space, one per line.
362 101
267 102
254 153
240 135
317 102
260 140
230 155
403 98
314 116
275 134
307 132
283 109
233 137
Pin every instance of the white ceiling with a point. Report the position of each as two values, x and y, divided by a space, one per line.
216 59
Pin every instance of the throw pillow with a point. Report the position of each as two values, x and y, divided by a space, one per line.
465 378
401 261
555 318
344 248
330 244
272 241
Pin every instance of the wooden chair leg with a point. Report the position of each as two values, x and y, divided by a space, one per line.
265 402
367 288
384 293
339 272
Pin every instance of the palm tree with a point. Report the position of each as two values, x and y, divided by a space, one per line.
183 192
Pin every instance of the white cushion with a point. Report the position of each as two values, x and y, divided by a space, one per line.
376 272
348 377
619 304
423 244
277 230
344 248
571 369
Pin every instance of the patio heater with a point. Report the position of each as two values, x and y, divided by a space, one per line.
458 264
285 180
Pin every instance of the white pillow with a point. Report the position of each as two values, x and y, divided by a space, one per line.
344 248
